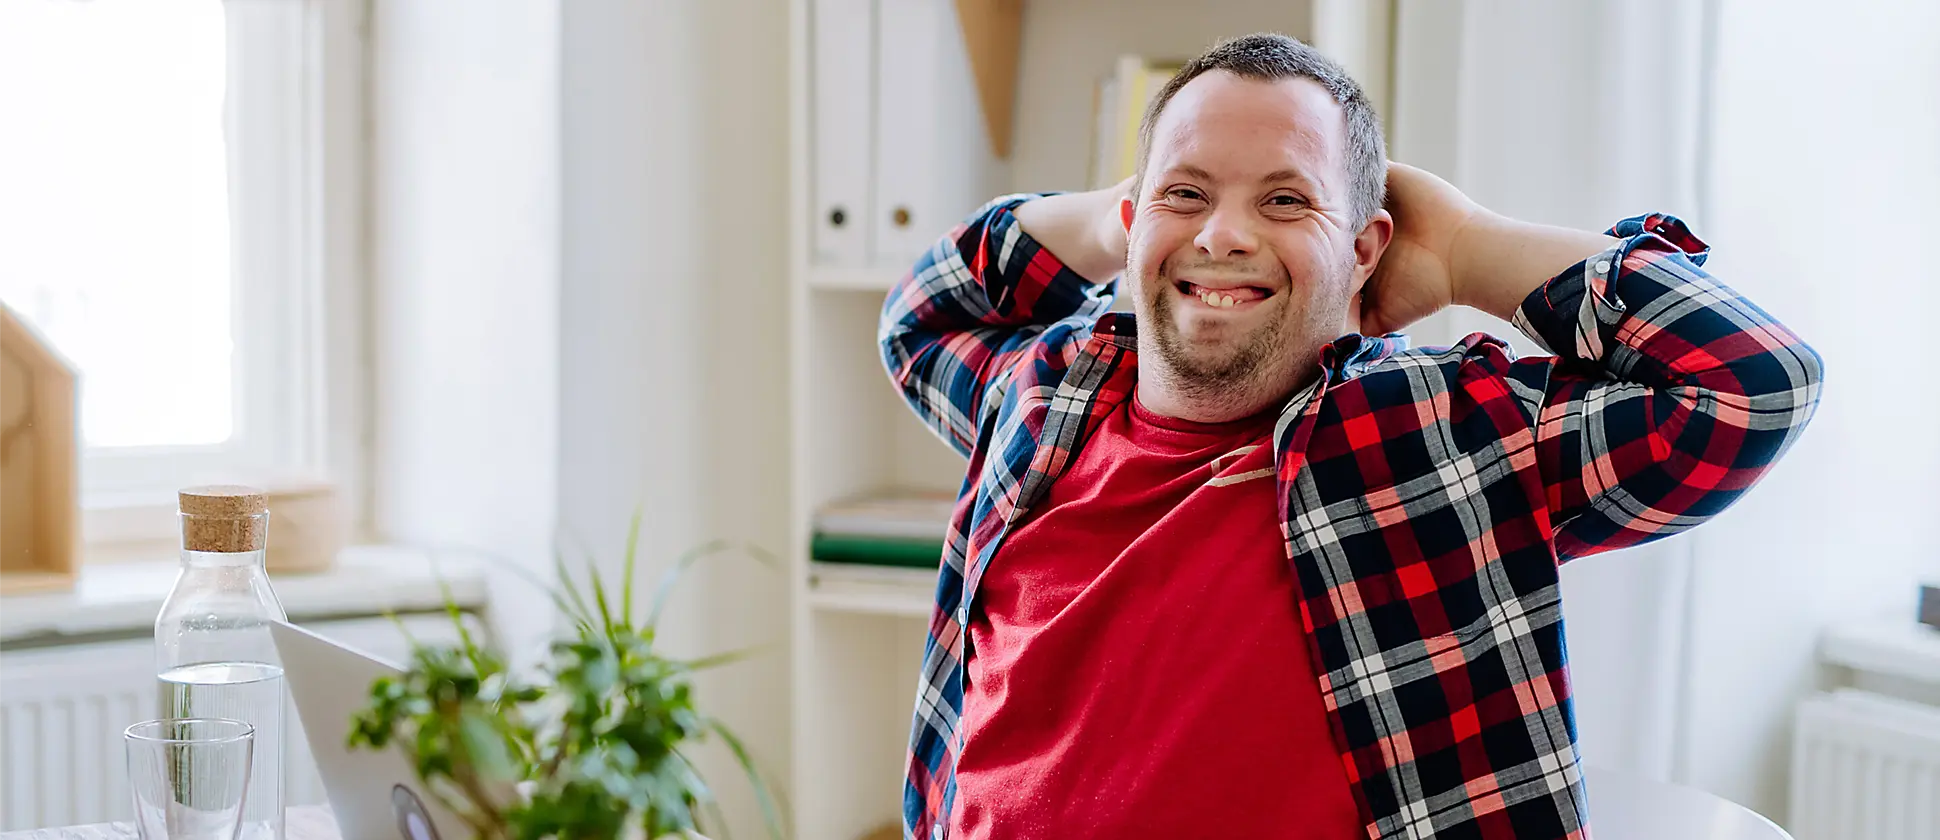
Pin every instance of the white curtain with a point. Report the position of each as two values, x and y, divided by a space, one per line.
1575 114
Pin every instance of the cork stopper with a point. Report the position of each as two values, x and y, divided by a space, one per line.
224 518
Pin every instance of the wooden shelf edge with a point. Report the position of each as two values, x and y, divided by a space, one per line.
992 30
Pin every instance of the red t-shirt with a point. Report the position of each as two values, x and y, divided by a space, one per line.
1138 665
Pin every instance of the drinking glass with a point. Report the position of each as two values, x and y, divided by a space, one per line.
188 776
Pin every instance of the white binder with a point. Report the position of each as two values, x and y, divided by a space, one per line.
908 131
933 156
842 51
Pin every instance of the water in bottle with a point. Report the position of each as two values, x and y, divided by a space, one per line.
214 654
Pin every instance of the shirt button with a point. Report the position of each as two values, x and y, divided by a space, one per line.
1603 267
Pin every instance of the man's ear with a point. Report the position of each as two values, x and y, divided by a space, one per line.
1369 245
1125 213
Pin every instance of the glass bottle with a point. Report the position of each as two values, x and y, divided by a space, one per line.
214 654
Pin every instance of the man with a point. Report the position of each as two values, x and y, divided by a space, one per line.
1241 565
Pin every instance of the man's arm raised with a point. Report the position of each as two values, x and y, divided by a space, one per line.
1082 229
1670 395
1022 271
1449 250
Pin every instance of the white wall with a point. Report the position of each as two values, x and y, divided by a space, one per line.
673 390
465 265
578 256
1827 161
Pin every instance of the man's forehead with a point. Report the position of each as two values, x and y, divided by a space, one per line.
1221 126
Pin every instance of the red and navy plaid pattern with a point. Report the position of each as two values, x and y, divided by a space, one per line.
1428 496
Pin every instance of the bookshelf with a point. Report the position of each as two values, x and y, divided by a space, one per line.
897 110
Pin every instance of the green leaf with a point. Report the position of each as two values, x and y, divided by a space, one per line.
410 641
458 622
599 735
599 598
579 612
673 575
719 659
746 760
717 819
632 553
762 556
485 747
430 752
558 599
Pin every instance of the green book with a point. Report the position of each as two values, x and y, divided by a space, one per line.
876 551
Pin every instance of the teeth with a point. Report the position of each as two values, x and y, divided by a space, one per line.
1215 298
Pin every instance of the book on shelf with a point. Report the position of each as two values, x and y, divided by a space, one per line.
1119 103
892 528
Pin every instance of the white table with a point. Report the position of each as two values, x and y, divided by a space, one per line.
307 822
1622 807
1626 807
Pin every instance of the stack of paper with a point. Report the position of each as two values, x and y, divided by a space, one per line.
902 528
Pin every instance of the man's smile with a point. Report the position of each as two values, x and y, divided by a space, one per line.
1223 296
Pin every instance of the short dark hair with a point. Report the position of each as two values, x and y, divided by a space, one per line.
1271 57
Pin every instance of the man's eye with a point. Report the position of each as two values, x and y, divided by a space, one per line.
1186 193
1286 201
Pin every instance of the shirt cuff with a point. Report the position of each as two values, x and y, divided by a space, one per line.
1575 314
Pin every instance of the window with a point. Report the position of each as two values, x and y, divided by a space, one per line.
180 183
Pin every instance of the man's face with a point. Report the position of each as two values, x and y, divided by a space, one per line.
1242 250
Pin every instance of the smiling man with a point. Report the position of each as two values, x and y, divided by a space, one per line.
1240 564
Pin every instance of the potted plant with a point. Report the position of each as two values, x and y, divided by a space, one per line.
591 748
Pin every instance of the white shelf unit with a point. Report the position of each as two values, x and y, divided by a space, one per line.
865 144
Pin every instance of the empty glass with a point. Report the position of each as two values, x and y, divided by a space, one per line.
188 776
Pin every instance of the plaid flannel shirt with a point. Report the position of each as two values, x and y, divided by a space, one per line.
1427 496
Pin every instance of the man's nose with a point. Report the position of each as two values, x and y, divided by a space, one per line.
1228 232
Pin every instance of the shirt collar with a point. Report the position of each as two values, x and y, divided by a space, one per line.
1352 354
1119 328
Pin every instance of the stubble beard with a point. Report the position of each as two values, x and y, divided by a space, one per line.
1264 364
1216 374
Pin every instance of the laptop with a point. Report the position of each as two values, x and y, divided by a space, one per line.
374 794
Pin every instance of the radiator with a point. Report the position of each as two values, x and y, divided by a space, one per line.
1865 767
62 710
61 715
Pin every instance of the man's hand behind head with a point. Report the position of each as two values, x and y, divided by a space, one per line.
1415 278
